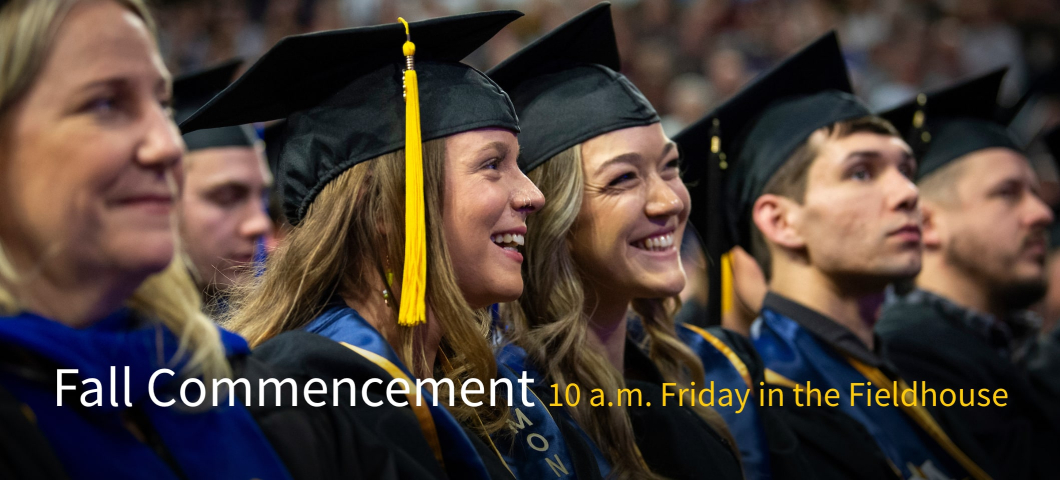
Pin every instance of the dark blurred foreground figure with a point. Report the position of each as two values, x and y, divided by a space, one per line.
222 204
966 324
820 192
88 280
607 242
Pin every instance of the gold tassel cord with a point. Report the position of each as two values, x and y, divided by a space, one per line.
413 310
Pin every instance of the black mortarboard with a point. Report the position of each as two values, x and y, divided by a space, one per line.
752 135
192 91
956 121
567 90
341 94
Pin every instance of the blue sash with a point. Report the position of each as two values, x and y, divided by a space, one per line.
343 324
721 372
793 352
92 442
512 362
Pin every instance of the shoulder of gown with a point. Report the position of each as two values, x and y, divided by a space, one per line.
335 441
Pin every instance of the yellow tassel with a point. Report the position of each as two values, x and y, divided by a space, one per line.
413 310
727 293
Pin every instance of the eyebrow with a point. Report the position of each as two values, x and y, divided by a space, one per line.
633 157
500 147
906 155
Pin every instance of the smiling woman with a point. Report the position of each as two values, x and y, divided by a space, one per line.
605 249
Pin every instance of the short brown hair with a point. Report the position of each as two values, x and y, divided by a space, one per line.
790 179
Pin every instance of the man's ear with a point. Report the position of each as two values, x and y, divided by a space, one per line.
932 226
777 218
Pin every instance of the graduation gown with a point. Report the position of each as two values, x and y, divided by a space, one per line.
802 347
674 440
510 453
98 440
930 343
768 447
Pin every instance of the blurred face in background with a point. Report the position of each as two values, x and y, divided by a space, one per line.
87 155
222 212
994 229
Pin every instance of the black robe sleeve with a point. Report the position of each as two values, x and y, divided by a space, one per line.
335 442
786 458
835 446
1012 442
675 442
24 452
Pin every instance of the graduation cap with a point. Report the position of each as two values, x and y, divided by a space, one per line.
346 94
749 137
955 121
567 89
192 91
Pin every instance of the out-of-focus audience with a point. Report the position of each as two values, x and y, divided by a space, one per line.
687 56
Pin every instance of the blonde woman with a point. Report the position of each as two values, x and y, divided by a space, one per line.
605 244
92 304
348 172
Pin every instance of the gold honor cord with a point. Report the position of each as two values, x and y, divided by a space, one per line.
423 414
922 417
413 310
734 359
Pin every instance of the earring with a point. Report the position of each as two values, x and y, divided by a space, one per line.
389 281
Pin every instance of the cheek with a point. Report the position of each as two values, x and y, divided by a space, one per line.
62 189
840 225
598 237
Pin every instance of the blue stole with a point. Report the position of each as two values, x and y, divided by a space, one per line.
793 352
512 362
720 371
220 442
343 324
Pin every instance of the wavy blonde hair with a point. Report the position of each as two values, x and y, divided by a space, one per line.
550 321
352 234
27 31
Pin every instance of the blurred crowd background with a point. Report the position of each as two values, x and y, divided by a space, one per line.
687 56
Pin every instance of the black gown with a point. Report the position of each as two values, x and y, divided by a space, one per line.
336 442
674 440
927 344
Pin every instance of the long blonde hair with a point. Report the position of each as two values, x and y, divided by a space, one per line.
550 321
27 31
352 234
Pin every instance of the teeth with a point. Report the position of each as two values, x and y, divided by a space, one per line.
659 243
509 240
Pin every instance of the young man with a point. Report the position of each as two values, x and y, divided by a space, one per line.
222 209
965 325
820 192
